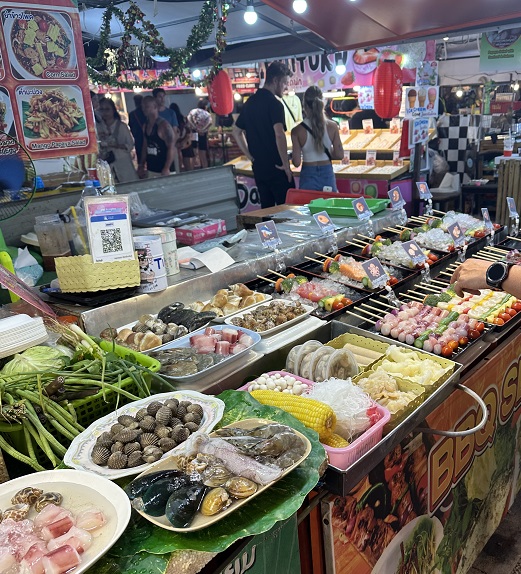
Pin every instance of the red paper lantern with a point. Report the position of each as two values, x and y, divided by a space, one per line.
220 94
387 82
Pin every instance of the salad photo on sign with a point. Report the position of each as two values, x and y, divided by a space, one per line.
40 44
6 112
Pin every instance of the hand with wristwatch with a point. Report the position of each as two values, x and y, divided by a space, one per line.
477 274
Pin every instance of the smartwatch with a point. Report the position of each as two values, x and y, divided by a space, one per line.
497 273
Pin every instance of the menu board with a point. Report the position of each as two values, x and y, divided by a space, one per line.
44 97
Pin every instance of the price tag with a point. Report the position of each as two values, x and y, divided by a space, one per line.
512 207
376 273
396 197
109 228
457 234
362 209
370 158
346 160
397 160
324 222
268 234
486 218
414 251
423 190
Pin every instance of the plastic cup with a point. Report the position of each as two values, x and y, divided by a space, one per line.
508 147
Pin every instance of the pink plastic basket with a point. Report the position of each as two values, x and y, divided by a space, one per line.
343 458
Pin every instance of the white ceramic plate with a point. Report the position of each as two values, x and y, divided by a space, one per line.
80 490
269 332
244 309
390 558
9 118
201 521
78 454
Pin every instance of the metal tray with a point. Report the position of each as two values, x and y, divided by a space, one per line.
266 287
341 482
90 299
184 342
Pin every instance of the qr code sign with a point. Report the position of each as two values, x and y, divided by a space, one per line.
111 240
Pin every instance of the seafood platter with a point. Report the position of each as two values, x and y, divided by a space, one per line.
59 520
216 474
135 436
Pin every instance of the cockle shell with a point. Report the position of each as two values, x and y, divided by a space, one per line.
153 407
100 455
140 328
140 415
116 429
117 447
28 495
192 418
152 454
135 459
17 512
240 487
148 439
117 460
195 408
215 500
148 424
181 411
162 431
131 447
127 435
192 427
172 404
105 439
48 498
126 420
164 415
180 433
166 444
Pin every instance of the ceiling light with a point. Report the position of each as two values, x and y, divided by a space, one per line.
445 38
516 86
459 93
157 58
340 69
237 97
250 16
196 74
300 6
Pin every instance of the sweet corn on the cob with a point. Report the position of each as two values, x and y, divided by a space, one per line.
314 414
335 441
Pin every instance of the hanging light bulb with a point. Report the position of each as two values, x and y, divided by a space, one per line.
516 85
340 69
196 74
300 6
459 93
237 97
250 16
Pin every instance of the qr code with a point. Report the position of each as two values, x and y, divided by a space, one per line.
111 240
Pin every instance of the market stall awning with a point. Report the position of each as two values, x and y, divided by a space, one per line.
363 23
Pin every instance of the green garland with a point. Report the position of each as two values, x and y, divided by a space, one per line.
149 36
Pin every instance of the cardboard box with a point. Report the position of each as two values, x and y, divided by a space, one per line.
201 231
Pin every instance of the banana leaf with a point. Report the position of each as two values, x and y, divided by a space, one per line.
278 503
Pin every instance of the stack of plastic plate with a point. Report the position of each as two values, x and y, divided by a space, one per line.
19 332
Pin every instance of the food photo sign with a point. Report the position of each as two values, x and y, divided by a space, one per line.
44 99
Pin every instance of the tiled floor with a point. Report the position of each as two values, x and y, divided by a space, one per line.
502 554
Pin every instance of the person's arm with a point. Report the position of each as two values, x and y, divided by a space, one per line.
471 276
297 148
240 137
282 148
166 133
337 151
141 170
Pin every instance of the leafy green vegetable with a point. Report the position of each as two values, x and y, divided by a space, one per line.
35 359
418 554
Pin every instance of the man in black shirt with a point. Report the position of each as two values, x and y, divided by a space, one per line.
355 122
259 132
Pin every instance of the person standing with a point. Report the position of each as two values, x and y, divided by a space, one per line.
316 141
136 123
116 142
184 142
292 110
169 115
358 115
259 132
200 120
158 143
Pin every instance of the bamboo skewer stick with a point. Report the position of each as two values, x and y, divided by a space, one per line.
490 260
371 307
418 218
490 248
377 301
266 279
441 283
360 317
413 298
425 288
370 313
416 293
277 274
513 238
445 273
314 260
359 244
365 237
392 230
322 255
438 211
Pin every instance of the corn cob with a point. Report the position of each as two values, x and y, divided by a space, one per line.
314 414
335 441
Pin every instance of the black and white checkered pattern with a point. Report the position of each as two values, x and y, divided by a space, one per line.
456 134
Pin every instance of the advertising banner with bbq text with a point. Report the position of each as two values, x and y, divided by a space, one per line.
44 91
435 501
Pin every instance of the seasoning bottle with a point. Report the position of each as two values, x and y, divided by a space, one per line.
52 238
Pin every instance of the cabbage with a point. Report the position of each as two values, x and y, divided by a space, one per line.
35 359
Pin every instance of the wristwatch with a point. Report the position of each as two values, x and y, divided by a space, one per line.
497 274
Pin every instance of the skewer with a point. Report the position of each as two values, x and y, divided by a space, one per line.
418 218
266 279
365 237
392 230
277 273
438 211
383 303
513 238
413 298
314 260
445 273
439 283
502 251
362 318
483 258
322 255
416 293
425 288
360 244
370 313
374 308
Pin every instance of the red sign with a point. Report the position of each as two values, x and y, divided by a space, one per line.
45 90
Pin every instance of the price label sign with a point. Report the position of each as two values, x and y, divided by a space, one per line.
512 207
361 208
423 190
268 234
486 218
370 158
324 222
396 197
376 273
414 251
457 234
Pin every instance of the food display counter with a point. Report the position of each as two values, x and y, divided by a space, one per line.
427 471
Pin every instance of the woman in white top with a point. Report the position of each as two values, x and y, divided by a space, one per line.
316 141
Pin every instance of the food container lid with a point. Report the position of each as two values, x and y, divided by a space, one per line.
167 233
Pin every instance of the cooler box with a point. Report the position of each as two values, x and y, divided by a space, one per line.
201 231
